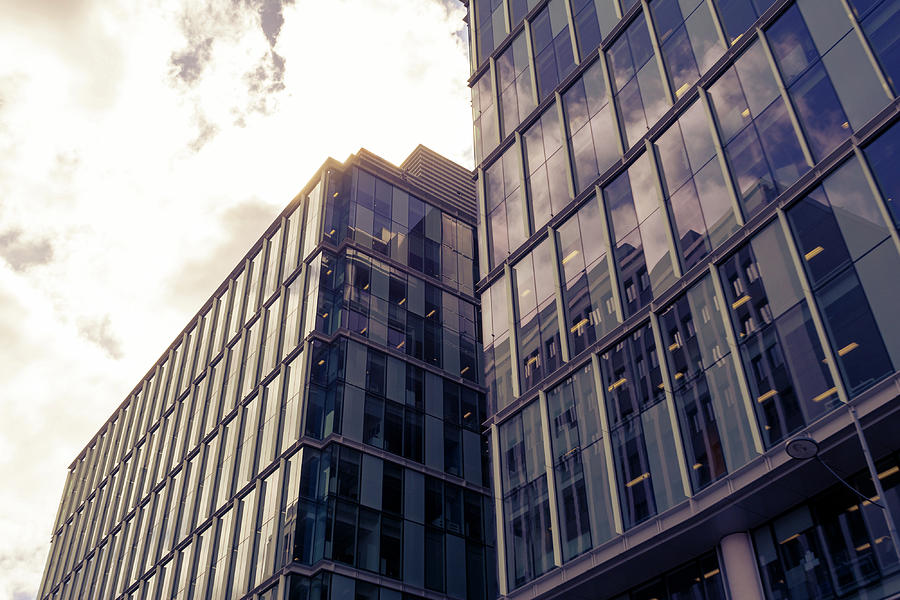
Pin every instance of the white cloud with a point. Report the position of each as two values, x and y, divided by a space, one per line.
138 161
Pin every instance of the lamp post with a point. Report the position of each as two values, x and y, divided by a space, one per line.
804 448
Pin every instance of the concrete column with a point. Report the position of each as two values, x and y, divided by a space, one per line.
739 564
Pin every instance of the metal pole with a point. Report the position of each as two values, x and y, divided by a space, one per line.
892 528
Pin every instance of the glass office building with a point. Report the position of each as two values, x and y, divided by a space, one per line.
314 433
688 215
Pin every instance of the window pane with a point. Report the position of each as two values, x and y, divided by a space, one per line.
882 155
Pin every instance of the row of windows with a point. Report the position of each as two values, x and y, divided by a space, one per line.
391 308
600 288
212 338
237 550
675 20
328 586
737 360
579 479
376 399
377 516
323 586
392 222
834 545
169 507
831 90
699 580
381 485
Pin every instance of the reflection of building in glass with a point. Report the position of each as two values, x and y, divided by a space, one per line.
314 432
689 224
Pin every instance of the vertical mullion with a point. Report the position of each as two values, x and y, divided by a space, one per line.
283 478
607 81
484 266
507 21
498 511
282 378
513 333
670 406
570 174
610 258
519 148
736 358
730 186
473 43
615 504
785 96
867 48
300 281
571 20
657 53
491 74
674 254
717 22
617 7
302 370
551 481
532 64
561 309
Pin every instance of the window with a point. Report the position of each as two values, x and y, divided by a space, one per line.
836 535
878 22
553 57
695 186
714 427
881 155
640 96
525 497
538 329
518 10
789 380
587 285
593 19
495 339
848 286
638 230
760 141
592 132
546 168
820 108
585 510
491 27
507 224
484 113
517 97
646 472
738 15
688 40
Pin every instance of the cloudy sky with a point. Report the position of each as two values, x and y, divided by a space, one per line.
143 147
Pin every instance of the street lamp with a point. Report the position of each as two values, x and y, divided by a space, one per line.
805 448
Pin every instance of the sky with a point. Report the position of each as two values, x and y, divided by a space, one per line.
144 146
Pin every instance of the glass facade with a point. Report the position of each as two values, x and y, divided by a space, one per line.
688 216
835 545
693 252
323 408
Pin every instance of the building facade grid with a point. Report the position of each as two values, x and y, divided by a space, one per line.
675 167
687 224
232 471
